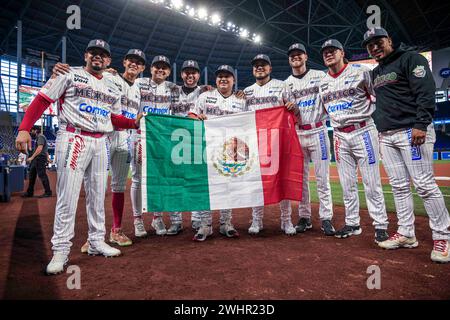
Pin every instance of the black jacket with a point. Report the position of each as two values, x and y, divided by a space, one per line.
405 91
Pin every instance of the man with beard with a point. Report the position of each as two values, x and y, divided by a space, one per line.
267 93
89 108
313 136
404 88
218 102
187 95
119 140
38 164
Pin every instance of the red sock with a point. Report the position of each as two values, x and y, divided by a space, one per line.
118 200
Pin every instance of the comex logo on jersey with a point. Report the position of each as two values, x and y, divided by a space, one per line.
84 107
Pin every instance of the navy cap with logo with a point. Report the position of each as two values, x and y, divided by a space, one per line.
332 43
161 59
374 33
136 53
261 57
190 64
99 44
296 46
225 68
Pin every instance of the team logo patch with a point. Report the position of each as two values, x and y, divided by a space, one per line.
419 71
233 159
369 147
323 145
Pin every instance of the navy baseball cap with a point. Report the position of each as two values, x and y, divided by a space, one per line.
296 46
136 53
374 33
100 44
225 68
331 43
262 57
190 64
161 59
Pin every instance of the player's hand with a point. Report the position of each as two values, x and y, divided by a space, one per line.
418 137
112 71
138 118
29 160
240 94
23 141
202 116
291 106
60 68
209 87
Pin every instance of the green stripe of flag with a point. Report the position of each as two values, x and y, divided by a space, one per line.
177 176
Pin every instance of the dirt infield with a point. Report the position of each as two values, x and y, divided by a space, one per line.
269 266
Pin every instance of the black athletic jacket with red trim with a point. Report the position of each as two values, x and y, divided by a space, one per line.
405 91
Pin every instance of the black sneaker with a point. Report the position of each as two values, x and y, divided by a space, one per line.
27 195
328 228
381 235
348 231
303 225
45 195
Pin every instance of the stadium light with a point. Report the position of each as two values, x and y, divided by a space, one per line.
215 19
243 33
202 13
177 4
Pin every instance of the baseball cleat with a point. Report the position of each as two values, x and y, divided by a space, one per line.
303 225
348 231
328 228
85 247
228 230
399 241
196 224
381 235
440 251
101 248
119 238
203 233
159 226
139 228
57 264
175 229
256 227
288 228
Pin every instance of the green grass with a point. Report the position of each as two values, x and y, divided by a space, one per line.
336 191
333 164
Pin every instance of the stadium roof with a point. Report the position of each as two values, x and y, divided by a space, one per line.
157 29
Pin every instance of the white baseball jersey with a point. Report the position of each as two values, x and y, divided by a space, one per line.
86 102
213 104
130 95
347 97
186 102
273 94
156 98
305 92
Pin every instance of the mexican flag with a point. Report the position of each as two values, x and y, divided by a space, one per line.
241 160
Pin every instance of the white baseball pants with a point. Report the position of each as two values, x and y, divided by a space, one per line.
359 148
404 163
79 158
